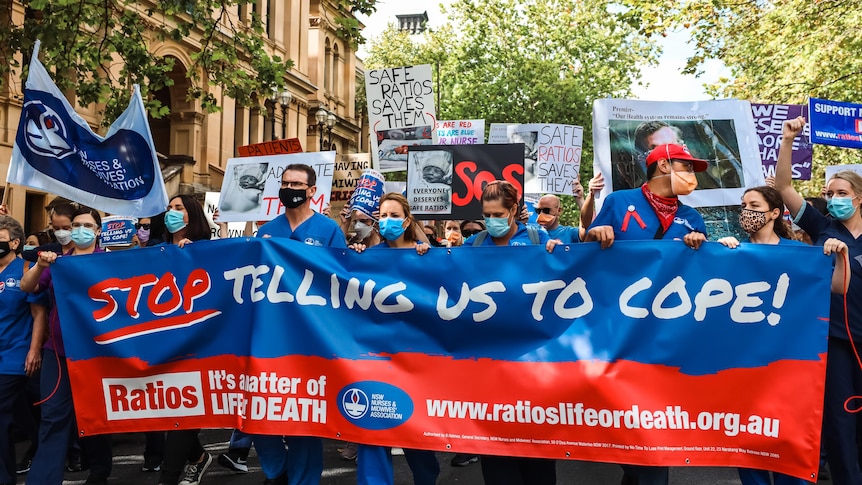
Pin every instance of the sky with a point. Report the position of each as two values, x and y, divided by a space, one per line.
665 83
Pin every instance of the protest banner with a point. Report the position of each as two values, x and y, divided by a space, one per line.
694 359
117 231
446 181
56 151
720 132
274 147
234 229
461 132
347 170
835 123
401 113
552 154
769 122
251 184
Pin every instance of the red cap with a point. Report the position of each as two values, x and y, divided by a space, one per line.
672 151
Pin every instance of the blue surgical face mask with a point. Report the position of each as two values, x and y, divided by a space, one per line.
174 221
391 228
841 207
83 237
497 226
27 247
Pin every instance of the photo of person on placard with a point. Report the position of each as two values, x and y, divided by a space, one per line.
712 140
241 192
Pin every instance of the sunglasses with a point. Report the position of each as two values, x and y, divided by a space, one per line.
543 210
469 232
144 226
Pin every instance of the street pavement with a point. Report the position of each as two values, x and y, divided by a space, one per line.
128 458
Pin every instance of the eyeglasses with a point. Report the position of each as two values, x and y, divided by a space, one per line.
144 226
293 185
543 210
84 224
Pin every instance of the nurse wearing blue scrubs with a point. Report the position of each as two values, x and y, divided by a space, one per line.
21 352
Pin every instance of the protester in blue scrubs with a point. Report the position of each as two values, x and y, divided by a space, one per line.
843 375
500 201
374 463
762 218
653 211
182 454
21 349
302 464
58 413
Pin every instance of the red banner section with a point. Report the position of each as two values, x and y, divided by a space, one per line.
684 420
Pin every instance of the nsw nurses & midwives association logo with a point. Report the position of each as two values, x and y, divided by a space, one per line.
375 405
354 403
45 133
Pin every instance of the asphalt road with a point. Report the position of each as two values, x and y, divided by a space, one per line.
128 460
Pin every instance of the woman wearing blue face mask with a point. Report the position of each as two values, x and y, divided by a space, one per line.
374 463
182 452
843 375
58 414
500 206
185 221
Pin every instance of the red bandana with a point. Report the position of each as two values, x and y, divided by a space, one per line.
664 207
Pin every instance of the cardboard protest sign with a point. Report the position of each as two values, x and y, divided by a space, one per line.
347 170
461 132
251 184
446 181
552 154
401 113
769 122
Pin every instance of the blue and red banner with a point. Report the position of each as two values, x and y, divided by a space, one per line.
835 123
647 352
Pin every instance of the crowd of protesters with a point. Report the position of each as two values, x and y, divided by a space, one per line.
33 362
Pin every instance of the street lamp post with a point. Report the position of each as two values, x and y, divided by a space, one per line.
284 99
273 98
330 123
321 116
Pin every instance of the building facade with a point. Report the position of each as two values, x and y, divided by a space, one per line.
194 145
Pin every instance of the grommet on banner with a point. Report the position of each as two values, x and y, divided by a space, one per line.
568 454
338 435
687 461
448 446
82 432
567 248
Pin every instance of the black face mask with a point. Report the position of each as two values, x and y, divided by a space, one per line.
4 248
292 198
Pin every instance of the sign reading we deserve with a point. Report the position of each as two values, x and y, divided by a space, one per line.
401 113
251 184
769 123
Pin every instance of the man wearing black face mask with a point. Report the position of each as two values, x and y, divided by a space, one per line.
299 223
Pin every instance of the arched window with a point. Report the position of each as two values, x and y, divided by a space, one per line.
336 71
327 67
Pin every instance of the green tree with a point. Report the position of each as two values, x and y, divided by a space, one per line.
536 61
782 51
100 48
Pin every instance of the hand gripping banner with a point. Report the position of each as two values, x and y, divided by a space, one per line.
647 352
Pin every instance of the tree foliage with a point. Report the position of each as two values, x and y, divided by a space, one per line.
528 61
98 49
782 51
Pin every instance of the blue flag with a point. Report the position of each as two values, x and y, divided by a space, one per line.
56 151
